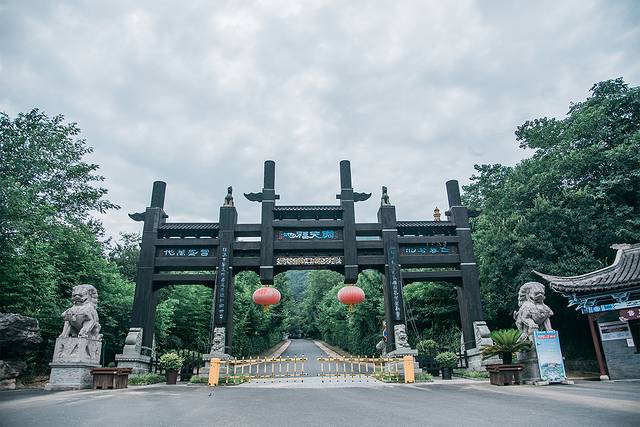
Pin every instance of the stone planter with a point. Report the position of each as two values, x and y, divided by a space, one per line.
172 376
110 378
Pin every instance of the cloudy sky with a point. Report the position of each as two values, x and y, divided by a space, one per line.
200 93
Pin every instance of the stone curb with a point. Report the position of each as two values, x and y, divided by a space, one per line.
324 348
281 349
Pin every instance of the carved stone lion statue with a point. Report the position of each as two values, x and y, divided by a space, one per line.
81 320
533 314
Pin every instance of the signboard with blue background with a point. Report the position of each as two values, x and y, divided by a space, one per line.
549 356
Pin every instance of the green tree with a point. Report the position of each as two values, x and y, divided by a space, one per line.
560 210
48 239
125 253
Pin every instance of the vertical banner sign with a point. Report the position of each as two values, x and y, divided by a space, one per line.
396 286
549 356
223 268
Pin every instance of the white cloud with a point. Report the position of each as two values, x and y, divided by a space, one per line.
200 94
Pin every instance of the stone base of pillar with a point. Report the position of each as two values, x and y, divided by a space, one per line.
132 356
476 363
73 359
398 366
204 372
139 364
482 338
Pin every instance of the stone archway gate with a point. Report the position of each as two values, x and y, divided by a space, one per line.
301 237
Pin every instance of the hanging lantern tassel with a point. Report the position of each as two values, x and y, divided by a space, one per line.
266 296
351 295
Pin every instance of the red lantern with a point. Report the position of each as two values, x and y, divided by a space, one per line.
266 296
350 295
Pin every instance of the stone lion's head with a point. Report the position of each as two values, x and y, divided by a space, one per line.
84 294
532 292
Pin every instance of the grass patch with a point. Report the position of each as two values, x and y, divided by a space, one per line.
146 379
234 380
472 375
386 377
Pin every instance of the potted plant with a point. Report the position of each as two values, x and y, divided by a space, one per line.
171 363
447 361
505 343
427 350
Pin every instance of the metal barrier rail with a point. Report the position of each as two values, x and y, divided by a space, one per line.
359 368
274 369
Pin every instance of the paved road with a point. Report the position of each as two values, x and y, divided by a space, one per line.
437 404
310 350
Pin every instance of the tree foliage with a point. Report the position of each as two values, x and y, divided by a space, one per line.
561 209
48 241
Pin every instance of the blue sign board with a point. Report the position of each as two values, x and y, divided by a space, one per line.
549 356
610 307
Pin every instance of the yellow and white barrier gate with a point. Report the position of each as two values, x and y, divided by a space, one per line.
267 369
362 369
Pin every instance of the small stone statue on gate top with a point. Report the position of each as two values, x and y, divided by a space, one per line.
228 200
384 200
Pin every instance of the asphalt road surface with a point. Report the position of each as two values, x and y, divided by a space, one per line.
313 402
433 404
310 351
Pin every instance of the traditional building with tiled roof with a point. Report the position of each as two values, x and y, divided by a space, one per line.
611 299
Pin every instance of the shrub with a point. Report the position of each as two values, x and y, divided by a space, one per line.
474 375
171 361
145 379
424 377
427 348
447 359
505 343
199 380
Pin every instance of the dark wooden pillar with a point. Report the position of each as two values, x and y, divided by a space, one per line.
223 293
143 314
393 299
469 300
349 224
266 230
592 318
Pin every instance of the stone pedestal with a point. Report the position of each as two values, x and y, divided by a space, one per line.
73 359
476 363
132 356
482 337
531 371
217 350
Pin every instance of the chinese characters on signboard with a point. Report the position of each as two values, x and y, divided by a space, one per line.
396 285
186 252
309 235
425 250
310 260
223 265
616 330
